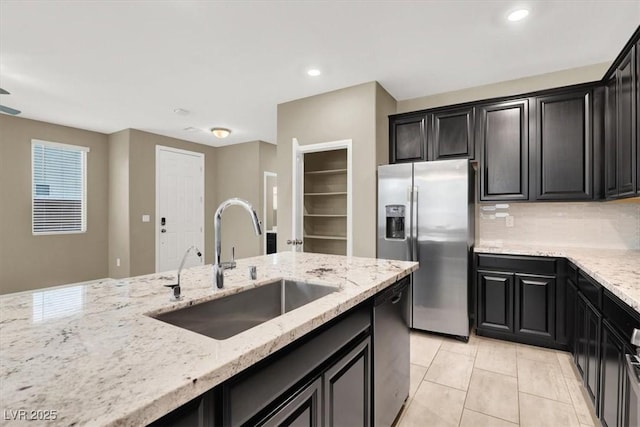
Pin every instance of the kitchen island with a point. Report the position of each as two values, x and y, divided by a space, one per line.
92 353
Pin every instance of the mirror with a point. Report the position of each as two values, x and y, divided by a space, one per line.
270 212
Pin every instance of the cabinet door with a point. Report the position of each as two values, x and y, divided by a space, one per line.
610 141
535 306
347 389
495 301
503 135
581 337
592 374
564 161
612 377
303 410
637 89
451 134
570 315
407 139
626 129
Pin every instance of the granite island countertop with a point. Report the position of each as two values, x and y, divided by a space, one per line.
618 270
92 353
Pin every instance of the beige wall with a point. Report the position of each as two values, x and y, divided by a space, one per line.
348 113
268 163
142 196
30 262
512 87
385 106
612 225
240 171
119 229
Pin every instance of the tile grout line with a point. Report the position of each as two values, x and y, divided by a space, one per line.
466 394
573 405
518 389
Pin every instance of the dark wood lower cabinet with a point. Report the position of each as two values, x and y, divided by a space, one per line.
517 301
535 308
495 301
347 389
588 346
612 377
571 300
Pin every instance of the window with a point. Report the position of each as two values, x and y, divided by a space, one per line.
59 187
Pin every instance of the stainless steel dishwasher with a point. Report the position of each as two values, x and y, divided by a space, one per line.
391 352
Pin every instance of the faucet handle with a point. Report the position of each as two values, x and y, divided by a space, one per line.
175 296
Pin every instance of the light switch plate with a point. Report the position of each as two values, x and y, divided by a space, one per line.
146 218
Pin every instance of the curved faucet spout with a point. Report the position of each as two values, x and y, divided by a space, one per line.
218 266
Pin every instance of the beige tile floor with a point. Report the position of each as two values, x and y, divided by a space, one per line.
492 383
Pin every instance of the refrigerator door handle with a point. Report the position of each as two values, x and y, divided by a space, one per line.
409 235
414 223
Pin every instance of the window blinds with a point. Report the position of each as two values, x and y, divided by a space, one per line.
59 187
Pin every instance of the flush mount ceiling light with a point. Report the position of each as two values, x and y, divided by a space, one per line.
220 132
518 15
314 72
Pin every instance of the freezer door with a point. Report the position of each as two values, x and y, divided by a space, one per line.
440 286
394 211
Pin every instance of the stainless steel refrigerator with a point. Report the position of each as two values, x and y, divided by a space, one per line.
426 214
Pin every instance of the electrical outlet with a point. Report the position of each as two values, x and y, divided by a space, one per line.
117 262
509 221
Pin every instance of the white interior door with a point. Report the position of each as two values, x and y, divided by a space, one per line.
179 206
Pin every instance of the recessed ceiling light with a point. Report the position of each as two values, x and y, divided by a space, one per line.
220 132
314 72
518 15
181 111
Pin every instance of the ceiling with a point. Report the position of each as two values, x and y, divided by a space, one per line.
108 66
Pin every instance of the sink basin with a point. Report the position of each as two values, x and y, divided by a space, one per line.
225 317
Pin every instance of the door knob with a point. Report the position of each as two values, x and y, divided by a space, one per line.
164 230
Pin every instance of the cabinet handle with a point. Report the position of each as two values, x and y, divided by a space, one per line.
396 299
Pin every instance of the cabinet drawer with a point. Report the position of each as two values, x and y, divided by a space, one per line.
520 264
591 289
620 315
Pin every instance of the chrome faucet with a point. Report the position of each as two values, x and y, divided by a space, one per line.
218 266
176 288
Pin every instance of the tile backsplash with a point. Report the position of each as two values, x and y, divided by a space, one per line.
610 225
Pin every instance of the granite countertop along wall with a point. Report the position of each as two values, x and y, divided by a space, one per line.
618 270
91 352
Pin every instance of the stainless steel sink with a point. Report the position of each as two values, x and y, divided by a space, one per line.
225 317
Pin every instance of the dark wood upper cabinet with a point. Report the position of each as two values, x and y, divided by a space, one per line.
637 117
451 134
407 139
563 154
503 135
626 125
610 141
